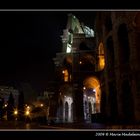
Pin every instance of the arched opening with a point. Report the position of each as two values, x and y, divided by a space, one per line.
60 111
67 96
101 57
66 111
91 97
66 75
127 101
123 44
71 112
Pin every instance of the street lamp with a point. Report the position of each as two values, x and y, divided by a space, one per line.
15 113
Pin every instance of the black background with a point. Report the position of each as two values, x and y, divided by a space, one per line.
100 4
29 40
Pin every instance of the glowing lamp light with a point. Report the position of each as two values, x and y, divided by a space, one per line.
94 90
27 113
84 88
15 112
28 107
63 71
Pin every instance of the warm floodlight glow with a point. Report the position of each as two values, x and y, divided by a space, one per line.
15 112
28 107
66 75
101 57
27 113
63 71
84 88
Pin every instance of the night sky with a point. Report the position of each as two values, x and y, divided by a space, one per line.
28 42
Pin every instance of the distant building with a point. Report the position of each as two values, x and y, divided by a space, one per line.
5 92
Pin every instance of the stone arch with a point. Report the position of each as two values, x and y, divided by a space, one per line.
91 97
101 57
66 95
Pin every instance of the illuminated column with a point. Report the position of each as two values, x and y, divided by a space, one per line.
85 107
69 113
89 109
93 103
69 100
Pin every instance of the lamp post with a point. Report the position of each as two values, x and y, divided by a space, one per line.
27 113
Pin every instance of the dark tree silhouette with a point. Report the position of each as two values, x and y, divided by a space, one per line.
21 105
10 107
1 107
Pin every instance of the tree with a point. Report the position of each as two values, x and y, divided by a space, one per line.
10 107
1 107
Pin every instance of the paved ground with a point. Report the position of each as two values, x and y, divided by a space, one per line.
75 126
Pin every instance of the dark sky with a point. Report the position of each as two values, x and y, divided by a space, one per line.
28 42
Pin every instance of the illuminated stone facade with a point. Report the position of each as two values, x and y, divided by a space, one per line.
78 67
120 32
99 73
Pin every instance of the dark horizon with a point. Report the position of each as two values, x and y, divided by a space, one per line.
29 41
